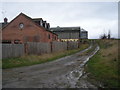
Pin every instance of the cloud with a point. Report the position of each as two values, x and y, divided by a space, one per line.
93 16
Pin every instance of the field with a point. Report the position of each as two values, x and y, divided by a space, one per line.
103 67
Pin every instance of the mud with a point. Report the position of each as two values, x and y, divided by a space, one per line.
66 72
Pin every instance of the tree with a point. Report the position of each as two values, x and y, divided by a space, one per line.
109 34
104 36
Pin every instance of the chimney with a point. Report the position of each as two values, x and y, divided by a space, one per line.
5 20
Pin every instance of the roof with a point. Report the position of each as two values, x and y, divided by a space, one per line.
32 20
83 30
36 18
44 21
65 28
2 25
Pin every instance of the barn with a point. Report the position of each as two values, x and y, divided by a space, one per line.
70 33
84 34
24 29
67 33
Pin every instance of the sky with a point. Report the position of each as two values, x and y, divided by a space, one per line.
95 17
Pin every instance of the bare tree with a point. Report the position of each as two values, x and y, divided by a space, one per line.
104 36
109 34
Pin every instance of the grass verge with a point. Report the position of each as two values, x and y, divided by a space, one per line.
89 51
38 59
103 66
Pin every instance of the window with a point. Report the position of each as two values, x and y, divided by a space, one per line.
48 36
55 38
36 38
44 25
17 42
48 26
26 38
41 23
6 41
21 25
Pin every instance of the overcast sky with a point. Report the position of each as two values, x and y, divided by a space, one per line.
95 17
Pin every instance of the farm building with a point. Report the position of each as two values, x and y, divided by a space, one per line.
69 33
25 29
84 34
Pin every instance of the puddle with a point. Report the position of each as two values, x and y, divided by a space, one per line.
77 73
54 74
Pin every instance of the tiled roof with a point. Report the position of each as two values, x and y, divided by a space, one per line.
28 18
36 18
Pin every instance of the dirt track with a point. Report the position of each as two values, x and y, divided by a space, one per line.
65 72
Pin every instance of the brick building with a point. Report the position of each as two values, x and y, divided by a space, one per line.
25 29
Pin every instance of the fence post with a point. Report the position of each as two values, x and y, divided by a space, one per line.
79 43
51 46
26 48
67 45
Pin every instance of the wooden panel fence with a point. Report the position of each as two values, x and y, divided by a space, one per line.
72 45
12 50
37 48
59 46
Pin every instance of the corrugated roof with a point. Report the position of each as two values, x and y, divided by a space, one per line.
83 30
65 28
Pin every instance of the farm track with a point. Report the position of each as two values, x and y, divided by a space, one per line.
66 72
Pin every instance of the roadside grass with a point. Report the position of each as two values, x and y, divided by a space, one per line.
0 64
28 60
90 50
103 66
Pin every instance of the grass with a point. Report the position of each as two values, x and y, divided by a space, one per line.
103 66
28 60
90 50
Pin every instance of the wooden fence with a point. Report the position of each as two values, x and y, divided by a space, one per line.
59 46
37 48
72 45
12 50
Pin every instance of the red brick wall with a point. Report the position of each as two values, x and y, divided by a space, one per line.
30 32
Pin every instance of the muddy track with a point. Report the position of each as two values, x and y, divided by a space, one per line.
66 72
